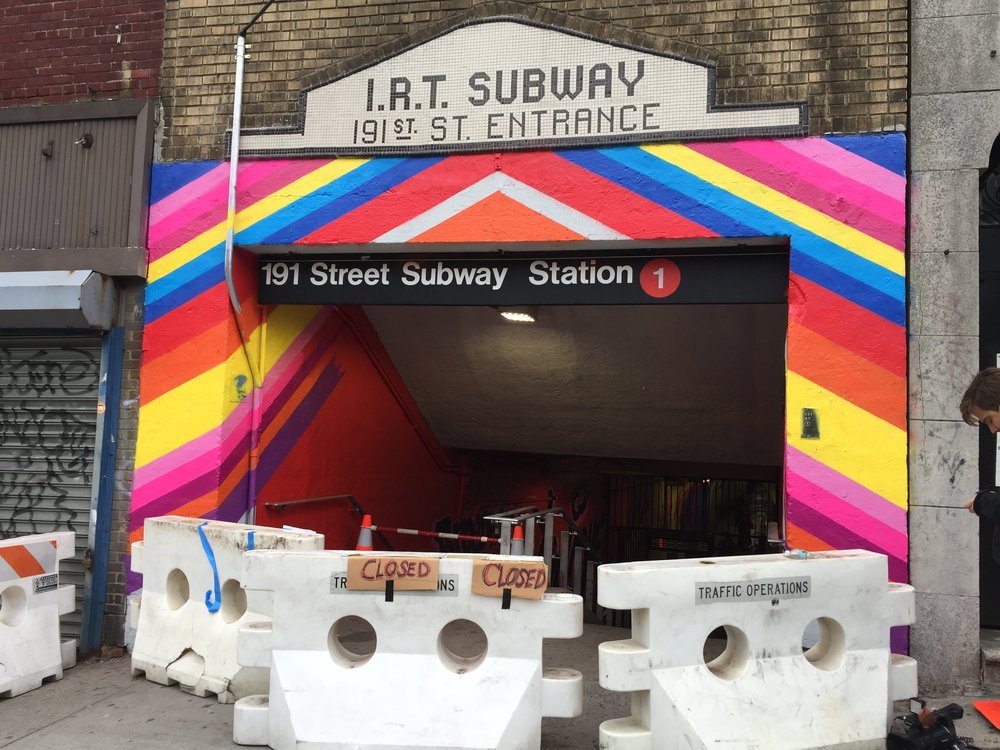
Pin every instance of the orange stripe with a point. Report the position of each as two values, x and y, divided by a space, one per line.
22 561
801 539
187 361
847 374
493 219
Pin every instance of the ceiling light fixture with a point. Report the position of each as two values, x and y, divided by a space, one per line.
518 314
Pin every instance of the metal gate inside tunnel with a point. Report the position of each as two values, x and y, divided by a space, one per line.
661 518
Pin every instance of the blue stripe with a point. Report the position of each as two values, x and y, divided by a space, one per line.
885 149
185 294
183 285
180 277
849 288
337 199
169 178
763 222
652 190
269 229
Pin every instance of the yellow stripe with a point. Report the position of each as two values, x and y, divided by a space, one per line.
284 324
191 409
852 441
251 215
782 206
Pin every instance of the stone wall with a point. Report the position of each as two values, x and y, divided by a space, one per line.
956 117
848 60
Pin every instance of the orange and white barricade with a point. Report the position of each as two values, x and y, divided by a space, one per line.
192 603
765 690
31 601
359 659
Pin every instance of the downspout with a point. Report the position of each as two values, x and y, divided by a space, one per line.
234 300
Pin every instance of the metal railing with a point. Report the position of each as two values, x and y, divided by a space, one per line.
575 565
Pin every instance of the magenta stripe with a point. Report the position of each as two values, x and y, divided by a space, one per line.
191 459
809 183
826 177
208 202
846 515
850 165
183 196
261 180
845 488
839 537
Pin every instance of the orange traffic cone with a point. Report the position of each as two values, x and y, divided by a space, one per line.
365 537
517 543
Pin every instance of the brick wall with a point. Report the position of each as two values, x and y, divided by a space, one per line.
847 59
78 50
131 318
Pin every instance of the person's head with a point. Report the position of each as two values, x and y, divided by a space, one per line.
981 402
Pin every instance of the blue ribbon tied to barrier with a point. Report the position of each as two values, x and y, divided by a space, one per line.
212 604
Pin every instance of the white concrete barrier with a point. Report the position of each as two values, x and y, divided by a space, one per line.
764 691
193 604
31 601
443 668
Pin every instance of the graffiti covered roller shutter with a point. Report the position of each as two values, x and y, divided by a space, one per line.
48 424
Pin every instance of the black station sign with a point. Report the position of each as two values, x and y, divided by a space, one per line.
491 280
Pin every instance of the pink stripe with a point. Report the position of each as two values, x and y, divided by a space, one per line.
814 185
256 181
190 193
847 490
847 516
287 366
851 165
190 460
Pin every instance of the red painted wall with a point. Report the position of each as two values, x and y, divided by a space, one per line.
368 440
72 50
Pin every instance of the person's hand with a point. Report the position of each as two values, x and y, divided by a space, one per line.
969 505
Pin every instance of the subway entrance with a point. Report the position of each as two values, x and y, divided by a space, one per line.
644 398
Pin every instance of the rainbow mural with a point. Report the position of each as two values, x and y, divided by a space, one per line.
840 200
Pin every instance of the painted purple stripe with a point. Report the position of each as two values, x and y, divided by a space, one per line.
838 537
891 540
282 443
845 488
295 379
197 486
234 506
291 366
868 211
194 457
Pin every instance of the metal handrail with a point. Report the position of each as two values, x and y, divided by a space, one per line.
326 498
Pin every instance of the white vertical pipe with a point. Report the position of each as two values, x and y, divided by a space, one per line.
234 151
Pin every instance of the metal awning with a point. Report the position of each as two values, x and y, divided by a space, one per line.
57 299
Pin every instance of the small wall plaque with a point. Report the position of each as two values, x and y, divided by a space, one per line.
810 424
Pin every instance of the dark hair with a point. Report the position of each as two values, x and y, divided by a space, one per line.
983 393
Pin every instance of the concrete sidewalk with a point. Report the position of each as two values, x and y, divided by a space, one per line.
99 706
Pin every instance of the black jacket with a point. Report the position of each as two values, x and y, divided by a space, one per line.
987 507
